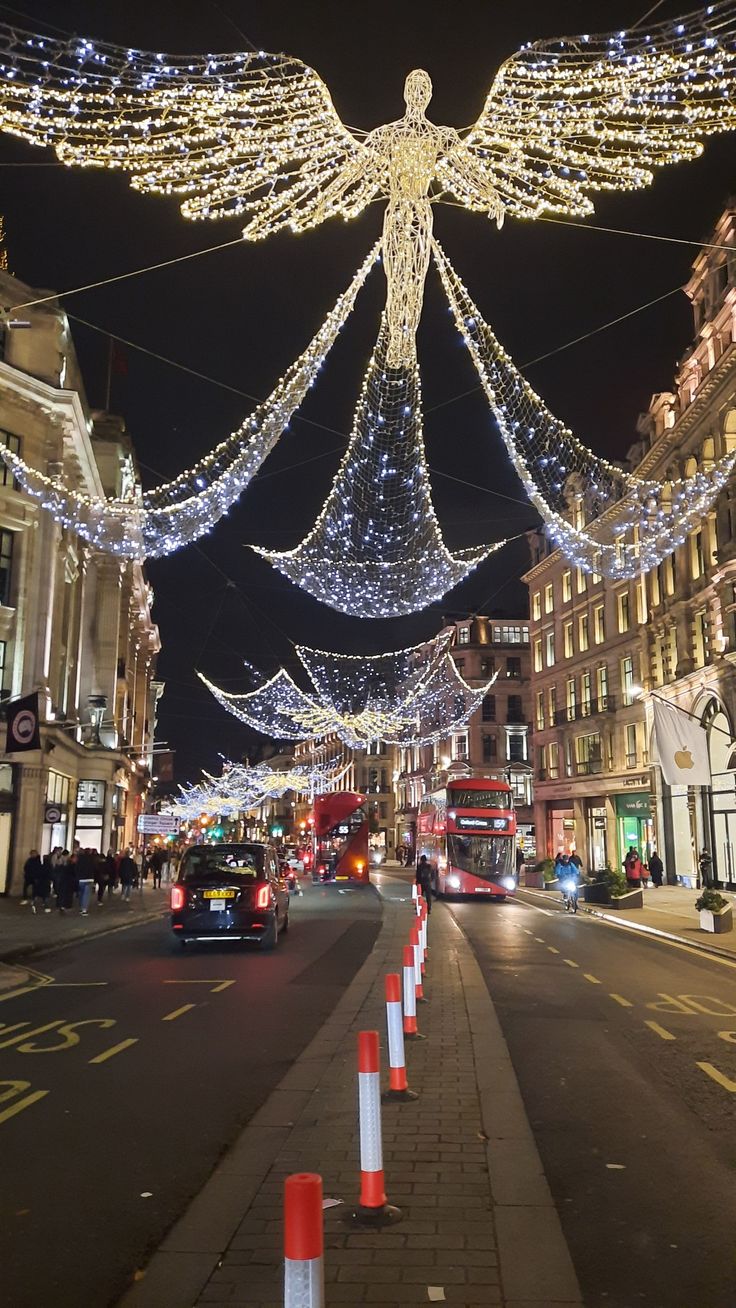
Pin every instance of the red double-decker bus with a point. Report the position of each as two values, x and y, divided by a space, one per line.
341 837
468 833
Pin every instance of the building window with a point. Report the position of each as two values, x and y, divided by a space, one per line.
513 669
702 639
631 749
520 787
581 581
57 789
553 755
12 443
488 666
6 566
489 748
601 686
624 616
585 694
461 745
383 809
540 710
516 746
552 704
697 555
570 698
588 754
514 709
549 597
510 635
550 649
583 632
627 680
460 665
538 654
464 636
488 709
536 606
599 624
566 587
567 640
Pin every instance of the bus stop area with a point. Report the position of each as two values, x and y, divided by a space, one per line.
478 1225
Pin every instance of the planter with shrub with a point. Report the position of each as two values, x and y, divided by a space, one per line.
716 914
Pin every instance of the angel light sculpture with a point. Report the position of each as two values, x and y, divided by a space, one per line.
257 135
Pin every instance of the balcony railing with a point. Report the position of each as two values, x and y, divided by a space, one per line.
587 767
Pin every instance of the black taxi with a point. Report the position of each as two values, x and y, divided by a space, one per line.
230 892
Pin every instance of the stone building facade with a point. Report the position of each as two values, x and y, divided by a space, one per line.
75 624
603 650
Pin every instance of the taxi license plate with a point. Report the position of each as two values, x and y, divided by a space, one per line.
219 894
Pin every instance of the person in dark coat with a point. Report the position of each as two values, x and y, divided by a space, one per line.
128 872
31 870
705 863
424 880
656 870
67 882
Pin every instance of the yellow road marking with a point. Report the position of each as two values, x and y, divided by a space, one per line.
171 1017
625 1003
552 949
593 979
212 981
75 985
714 1075
21 1104
570 962
728 1036
25 1035
115 1049
660 1031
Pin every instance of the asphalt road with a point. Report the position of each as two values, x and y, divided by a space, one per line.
625 1050
126 1077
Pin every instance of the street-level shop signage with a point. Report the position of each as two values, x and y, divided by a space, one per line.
157 824
54 813
636 805
90 794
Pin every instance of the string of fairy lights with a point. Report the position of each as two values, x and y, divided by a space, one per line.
242 788
256 135
407 697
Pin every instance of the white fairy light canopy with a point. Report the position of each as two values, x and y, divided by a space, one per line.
256 135
407 697
241 788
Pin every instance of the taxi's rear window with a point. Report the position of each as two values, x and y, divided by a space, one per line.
210 862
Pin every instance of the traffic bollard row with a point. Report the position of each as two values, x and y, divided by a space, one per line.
398 1081
373 1207
304 1273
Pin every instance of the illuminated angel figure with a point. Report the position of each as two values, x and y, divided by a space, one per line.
257 134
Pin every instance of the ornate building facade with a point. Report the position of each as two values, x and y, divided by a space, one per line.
75 624
602 651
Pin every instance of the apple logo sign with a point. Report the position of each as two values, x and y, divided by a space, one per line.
684 759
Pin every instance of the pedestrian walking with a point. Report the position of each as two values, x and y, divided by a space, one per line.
67 882
111 872
100 878
31 869
424 879
42 888
156 863
656 870
633 869
86 869
577 862
127 873
705 863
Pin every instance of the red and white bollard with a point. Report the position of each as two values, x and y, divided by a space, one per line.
425 926
411 1031
422 925
414 892
418 902
373 1207
416 946
304 1272
397 1078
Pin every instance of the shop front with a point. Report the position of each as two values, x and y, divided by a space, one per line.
560 830
634 825
598 852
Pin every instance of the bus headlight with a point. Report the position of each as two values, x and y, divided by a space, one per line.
453 882
508 883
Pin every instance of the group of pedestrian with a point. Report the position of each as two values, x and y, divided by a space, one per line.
638 874
68 875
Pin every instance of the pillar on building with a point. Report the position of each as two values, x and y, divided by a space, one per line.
32 780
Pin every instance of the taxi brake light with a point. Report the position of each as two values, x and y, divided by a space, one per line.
263 896
178 898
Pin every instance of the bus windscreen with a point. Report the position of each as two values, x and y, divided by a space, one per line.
458 798
481 856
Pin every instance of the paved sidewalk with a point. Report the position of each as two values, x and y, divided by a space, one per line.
479 1227
671 910
23 933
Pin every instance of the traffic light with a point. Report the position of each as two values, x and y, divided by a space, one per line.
277 831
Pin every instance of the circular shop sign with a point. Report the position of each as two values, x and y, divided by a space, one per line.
53 815
24 727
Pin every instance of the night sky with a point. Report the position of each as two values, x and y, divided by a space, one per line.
241 315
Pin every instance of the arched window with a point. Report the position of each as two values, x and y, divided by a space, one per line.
729 432
708 453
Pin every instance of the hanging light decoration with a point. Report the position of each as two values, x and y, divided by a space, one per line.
161 520
257 135
376 550
604 519
241 787
408 697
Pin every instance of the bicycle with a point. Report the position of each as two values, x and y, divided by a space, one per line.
570 896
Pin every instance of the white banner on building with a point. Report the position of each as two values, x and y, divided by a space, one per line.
682 745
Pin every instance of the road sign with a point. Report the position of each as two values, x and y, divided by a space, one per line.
157 824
